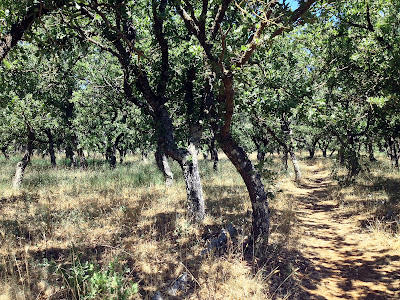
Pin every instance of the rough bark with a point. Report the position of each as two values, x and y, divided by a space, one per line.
163 166
21 166
51 148
255 188
194 190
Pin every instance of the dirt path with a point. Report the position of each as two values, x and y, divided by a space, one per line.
341 264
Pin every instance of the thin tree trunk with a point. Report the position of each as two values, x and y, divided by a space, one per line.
21 166
255 187
297 173
371 151
285 160
163 166
82 159
51 148
214 154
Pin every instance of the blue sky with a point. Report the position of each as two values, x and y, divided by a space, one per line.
293 3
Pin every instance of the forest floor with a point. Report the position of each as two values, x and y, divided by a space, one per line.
341 258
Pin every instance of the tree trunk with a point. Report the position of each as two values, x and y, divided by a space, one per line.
285 160
194 190
110 155
122 154
4 151
82 159
394 157
51 148
297 173
311 152
341 155
213 154
21 166
255 187
371 151
163 166
69 154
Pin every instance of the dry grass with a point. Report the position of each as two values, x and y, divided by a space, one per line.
127 215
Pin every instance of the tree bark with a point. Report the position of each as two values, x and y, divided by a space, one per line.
163 166
194 190
297 172
51 148
21 166
255 188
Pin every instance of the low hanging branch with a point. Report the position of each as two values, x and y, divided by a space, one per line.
10 39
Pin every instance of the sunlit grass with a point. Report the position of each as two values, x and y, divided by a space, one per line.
128 213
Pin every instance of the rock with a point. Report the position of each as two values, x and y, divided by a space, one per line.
180 284
221 241
157 296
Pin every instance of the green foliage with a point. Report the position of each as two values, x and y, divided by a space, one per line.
86 280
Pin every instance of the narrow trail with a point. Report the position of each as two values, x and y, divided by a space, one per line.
341 265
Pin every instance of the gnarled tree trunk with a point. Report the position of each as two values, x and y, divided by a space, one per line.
255 188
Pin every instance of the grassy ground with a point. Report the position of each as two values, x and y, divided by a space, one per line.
104 232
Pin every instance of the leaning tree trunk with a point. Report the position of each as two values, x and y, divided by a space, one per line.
51 148
163 166
255 187
21 166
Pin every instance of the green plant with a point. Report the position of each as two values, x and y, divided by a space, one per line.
88 281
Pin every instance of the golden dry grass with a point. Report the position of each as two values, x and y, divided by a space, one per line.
128 215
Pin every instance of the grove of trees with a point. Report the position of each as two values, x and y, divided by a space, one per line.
182 77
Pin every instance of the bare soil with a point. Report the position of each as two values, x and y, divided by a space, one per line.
341 259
